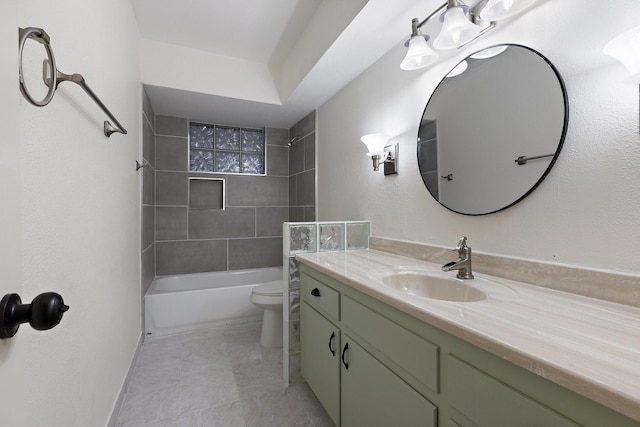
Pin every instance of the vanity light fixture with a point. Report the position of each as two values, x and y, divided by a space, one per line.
419 53
626 49
460 25
495 10
381 153
457 27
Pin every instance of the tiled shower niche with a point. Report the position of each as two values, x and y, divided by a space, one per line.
206 193
309 237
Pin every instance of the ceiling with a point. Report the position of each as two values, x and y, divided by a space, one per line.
313 48
259 30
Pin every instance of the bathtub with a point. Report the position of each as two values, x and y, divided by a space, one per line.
191 302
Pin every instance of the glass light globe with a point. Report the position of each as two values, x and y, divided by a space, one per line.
419 54
496 10
375 143
456 29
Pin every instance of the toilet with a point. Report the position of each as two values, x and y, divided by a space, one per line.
268 297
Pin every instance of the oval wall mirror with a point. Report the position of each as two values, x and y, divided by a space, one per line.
492 130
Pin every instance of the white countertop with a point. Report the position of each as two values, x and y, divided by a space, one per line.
587 345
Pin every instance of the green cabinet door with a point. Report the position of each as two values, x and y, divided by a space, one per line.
320 346
373 396
491 403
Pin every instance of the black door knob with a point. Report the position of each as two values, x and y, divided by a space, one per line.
44 312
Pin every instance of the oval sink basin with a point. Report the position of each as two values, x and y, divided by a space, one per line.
432 286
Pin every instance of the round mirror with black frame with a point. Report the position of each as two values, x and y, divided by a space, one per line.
492 129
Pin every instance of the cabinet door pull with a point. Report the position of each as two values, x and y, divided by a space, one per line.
315 292
331 347
344 353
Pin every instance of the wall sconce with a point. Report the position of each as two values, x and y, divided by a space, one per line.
460 26
380 152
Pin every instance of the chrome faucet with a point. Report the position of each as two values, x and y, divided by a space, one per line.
463 263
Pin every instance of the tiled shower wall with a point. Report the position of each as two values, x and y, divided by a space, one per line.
247 234
148 195
302 170
304 238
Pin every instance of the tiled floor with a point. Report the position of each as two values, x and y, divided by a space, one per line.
219 377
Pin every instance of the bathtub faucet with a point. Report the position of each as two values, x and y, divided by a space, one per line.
463 263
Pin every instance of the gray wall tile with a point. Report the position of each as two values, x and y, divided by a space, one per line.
148 227
213 224
258 190
206 193
296 214
277 136
171 223
256 206
148 255
147 108
172 188
306 188
269 220
148 268
148 186
172 126
310 152
307 125
277 160
186 257
172 153
302 170
309 213
148 143
293 180
255 253
296 157
293 131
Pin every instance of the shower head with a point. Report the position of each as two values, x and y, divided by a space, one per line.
293 140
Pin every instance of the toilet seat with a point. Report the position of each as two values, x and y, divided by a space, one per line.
270 288
268 293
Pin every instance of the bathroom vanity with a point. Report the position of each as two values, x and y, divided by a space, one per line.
377 352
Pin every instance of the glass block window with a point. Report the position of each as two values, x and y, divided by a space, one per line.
227 138
226 149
